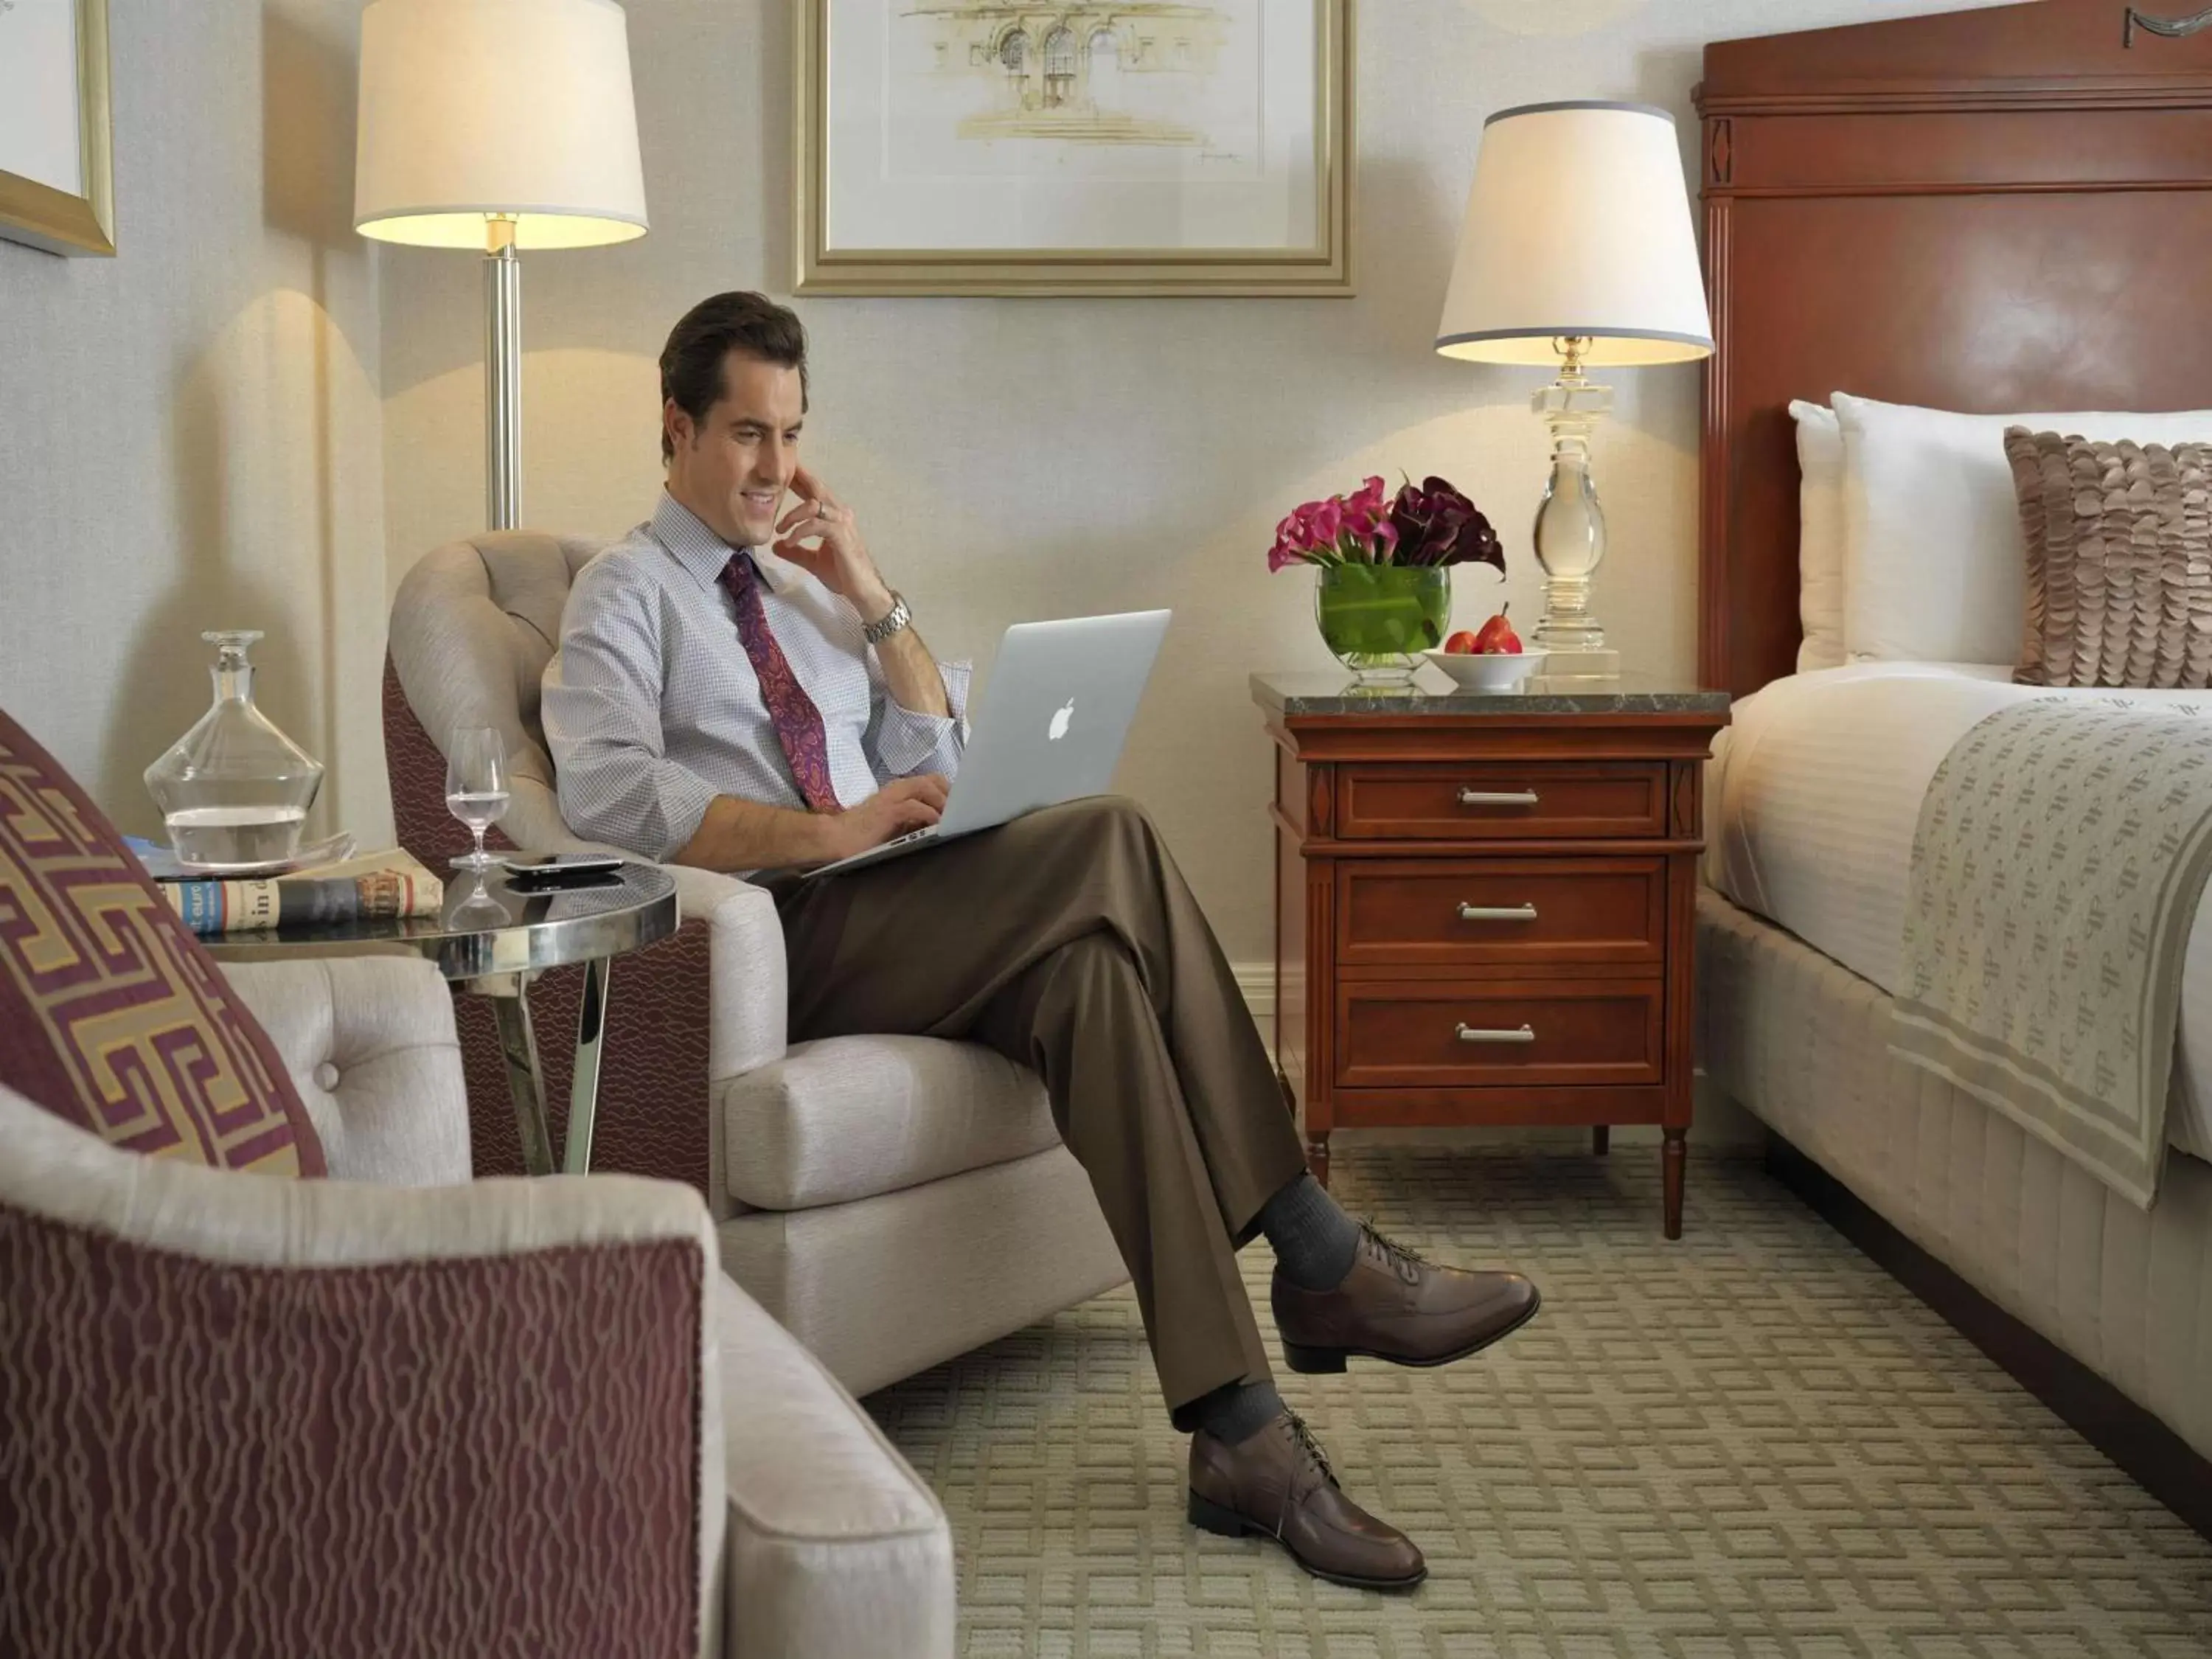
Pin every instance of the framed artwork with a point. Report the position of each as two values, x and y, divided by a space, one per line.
1148 147
56 182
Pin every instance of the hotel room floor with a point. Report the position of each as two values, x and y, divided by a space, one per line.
1750 1444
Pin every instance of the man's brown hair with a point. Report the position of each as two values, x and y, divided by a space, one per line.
691 362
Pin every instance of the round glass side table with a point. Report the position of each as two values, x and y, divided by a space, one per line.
492 941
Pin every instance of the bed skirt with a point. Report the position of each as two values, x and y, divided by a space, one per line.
1803 1043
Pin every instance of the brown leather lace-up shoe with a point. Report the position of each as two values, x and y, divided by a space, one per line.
1397 1306
1278 1483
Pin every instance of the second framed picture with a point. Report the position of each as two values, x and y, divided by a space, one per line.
1154 147
57 179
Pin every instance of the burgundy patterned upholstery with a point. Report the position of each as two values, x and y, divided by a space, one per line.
112 1016
195 1458
653 1114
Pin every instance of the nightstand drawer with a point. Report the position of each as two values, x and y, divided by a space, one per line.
1495 800
1481 1035
1528 911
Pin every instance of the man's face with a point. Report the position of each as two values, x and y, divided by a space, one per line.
733 468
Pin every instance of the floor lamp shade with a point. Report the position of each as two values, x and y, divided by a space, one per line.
1577 227
516 108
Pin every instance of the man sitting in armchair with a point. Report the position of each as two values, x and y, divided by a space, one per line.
743 692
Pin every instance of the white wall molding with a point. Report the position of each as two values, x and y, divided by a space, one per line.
1256 980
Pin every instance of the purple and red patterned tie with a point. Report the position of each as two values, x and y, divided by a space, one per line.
797 722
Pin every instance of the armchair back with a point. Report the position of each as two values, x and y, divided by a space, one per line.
473 625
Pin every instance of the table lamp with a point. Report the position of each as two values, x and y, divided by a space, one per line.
499 125
1577 249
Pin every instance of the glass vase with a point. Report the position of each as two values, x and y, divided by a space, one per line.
233 791
1378 619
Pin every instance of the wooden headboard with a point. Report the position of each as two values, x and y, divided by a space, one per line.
2008 208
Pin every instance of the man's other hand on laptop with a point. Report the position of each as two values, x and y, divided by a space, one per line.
901 806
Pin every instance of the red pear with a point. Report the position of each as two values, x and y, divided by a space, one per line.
1495 637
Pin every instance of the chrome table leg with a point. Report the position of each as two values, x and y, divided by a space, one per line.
584 1083
517 1044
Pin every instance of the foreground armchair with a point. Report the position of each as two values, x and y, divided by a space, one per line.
892 1200
400 1412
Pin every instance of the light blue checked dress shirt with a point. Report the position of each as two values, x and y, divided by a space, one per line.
652 708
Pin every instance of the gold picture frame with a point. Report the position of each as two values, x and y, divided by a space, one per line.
55 220
1323 270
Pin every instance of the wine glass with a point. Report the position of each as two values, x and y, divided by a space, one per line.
476 787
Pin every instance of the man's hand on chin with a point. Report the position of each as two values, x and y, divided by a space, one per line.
901 806
820 537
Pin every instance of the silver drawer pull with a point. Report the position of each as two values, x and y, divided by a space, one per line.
1498 913
1469 1034
1493 797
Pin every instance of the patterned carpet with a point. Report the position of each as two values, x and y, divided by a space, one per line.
1752 1444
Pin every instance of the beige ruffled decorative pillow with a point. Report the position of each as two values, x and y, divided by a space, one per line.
2119 561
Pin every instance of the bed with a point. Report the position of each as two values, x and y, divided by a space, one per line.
1980 211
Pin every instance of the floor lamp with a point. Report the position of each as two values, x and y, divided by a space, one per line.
505 126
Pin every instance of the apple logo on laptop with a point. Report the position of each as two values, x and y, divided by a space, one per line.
1061 717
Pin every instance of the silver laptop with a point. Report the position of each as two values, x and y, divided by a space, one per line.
1049 728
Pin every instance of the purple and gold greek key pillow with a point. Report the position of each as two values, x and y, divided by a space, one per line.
112 1015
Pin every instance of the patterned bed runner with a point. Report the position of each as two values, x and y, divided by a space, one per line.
2060 855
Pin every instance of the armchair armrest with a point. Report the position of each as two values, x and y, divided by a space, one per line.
432 1420
746 966
369 1042
835 1544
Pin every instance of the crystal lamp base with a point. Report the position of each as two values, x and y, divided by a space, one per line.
1603 664
1570 529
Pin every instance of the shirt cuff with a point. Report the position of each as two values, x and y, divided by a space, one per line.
909 742
954 675
683 798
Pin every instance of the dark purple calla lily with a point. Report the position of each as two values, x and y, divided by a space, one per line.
1438 525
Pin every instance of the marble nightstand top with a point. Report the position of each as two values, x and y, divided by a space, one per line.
1308 693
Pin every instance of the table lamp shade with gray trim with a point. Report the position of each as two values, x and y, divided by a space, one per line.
516 108
1577 227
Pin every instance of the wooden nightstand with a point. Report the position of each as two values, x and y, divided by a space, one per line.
1483 905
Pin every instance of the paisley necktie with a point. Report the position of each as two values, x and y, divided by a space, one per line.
797 722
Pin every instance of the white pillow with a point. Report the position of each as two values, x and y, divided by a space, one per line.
1934 569
1820 537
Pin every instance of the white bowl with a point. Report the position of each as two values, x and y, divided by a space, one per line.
1498 672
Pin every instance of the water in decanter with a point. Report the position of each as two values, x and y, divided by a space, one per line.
222 837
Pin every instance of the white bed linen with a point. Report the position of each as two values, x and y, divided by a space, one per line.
1815 792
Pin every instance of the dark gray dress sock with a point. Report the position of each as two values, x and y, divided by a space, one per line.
1236 1411
1316 1243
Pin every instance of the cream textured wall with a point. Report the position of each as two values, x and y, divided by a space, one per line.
1021 459
191 433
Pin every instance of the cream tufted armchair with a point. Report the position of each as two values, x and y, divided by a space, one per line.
402 1412
893 1200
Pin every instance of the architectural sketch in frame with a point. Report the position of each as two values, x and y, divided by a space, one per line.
1151 147
57 188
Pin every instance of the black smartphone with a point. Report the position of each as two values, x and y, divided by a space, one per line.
531 872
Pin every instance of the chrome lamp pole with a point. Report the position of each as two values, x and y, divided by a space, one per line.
502 374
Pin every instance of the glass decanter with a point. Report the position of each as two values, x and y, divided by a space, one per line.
233 791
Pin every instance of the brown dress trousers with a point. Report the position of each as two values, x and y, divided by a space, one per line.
1068 941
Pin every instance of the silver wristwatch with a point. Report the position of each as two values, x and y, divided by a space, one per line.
881 629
